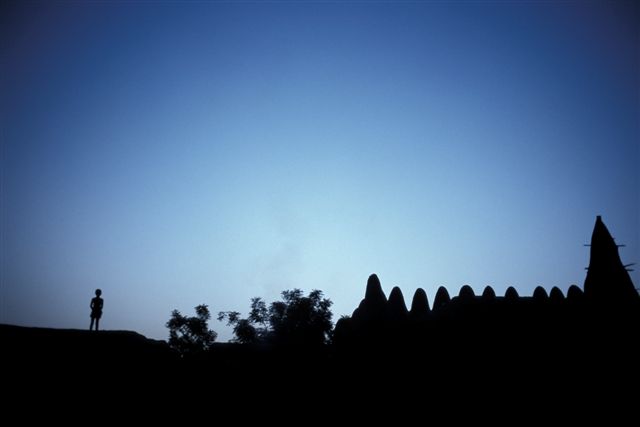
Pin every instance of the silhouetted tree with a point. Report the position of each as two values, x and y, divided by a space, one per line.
295 320
301 320
190 335
254 328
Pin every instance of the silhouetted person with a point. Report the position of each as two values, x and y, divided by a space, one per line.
96 309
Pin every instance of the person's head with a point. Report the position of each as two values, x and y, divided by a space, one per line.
98 292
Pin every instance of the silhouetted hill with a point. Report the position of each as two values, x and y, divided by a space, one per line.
74 345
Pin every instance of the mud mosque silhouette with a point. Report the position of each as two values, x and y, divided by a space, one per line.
605 313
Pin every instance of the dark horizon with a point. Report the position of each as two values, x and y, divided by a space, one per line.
608 291
580 343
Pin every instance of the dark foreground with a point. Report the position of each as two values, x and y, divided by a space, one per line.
54 361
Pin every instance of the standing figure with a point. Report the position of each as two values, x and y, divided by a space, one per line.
96 309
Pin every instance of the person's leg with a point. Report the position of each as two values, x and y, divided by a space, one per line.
97 323
91 325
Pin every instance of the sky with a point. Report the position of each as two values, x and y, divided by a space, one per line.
175 154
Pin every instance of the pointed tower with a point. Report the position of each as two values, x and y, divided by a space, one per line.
396 307
374 294
442 298
372 307
607 279
488 294
420 304
466 293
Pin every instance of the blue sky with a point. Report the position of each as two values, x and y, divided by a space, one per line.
175 154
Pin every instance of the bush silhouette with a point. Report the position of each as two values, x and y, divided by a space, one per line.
189 335
301 320
295 320
254 328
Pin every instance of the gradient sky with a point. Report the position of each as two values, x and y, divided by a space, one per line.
175 154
